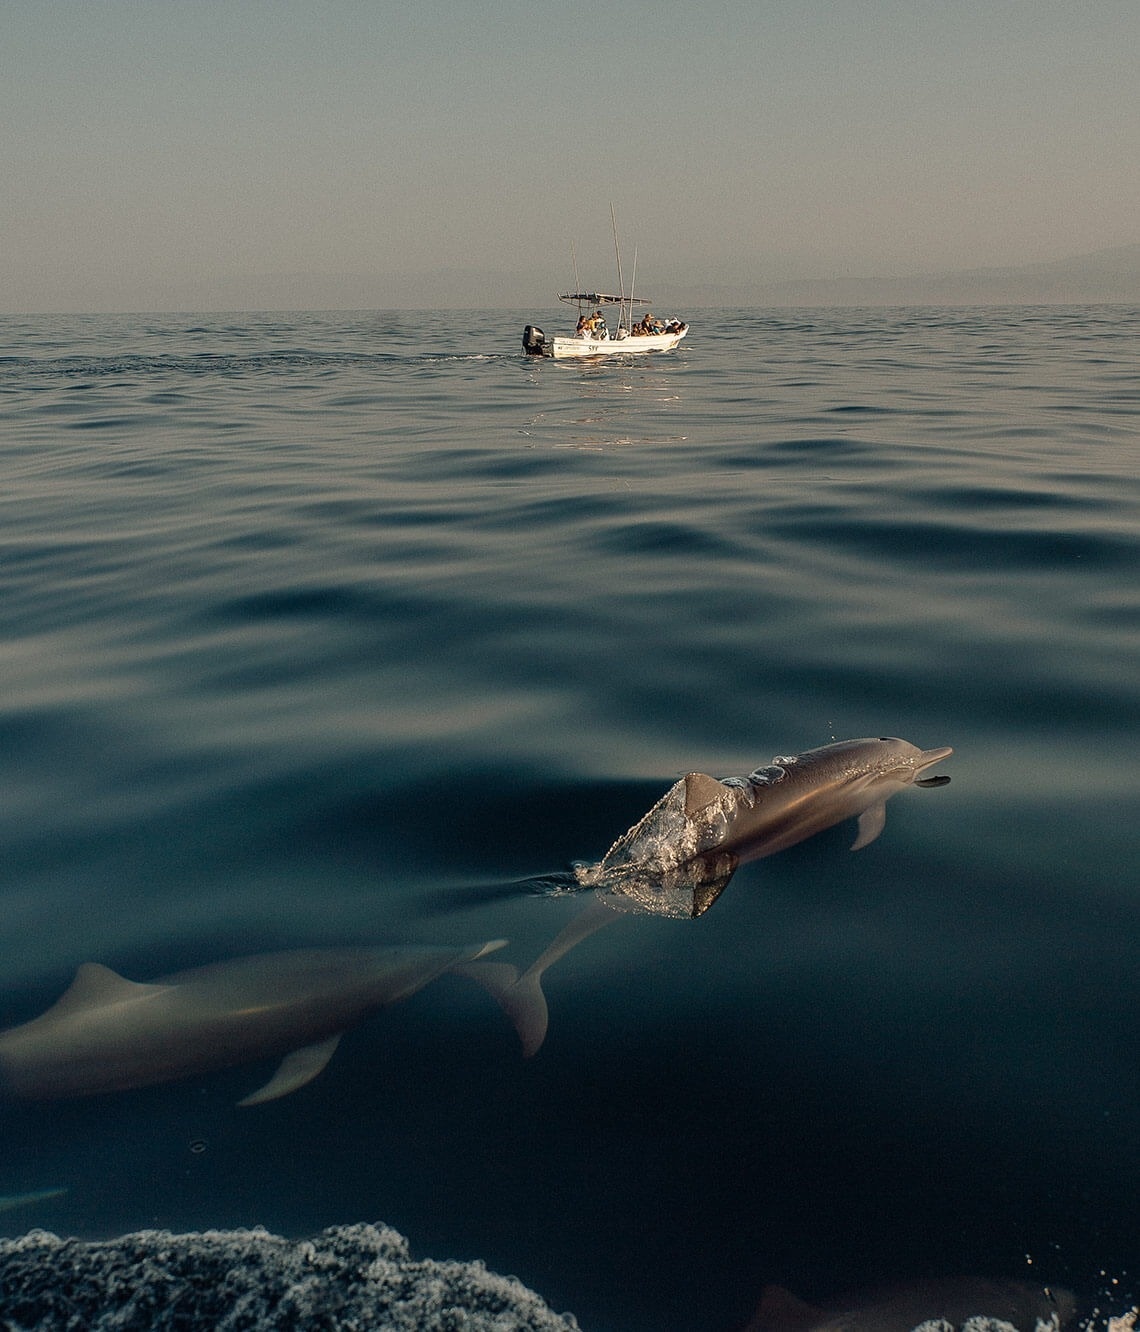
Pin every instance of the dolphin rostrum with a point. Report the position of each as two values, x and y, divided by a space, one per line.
678 858
109 1034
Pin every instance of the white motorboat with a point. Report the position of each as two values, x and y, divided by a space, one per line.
592 337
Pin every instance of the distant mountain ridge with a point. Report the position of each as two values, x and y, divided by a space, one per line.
1111 275
1103 276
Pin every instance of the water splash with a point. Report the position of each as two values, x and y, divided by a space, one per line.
664 864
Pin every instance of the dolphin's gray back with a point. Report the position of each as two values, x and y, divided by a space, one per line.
387 974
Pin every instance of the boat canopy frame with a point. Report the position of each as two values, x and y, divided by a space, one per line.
600 298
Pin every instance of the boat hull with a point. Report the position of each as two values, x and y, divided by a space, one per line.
575 348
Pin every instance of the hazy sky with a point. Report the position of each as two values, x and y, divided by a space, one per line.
154 149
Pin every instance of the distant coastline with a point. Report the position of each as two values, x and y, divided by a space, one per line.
1100 277
1104 276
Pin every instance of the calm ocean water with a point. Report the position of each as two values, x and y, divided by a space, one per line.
334 628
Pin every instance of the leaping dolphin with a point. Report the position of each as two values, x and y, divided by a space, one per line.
678 858
109 1034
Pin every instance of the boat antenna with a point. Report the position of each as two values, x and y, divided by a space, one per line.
617 251
632 284
574 261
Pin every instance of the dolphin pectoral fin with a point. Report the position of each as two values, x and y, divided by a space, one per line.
871 823
294 1071
701 790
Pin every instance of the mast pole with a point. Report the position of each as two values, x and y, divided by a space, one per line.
632 284
617 251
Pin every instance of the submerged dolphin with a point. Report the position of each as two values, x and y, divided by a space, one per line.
109 1034
10 1201
678 858
949 1302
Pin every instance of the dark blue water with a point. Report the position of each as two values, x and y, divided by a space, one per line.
330 628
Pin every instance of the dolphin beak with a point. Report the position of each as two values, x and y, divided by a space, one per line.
927 759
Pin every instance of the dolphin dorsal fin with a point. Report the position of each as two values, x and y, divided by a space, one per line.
780 1311
95 986
701 790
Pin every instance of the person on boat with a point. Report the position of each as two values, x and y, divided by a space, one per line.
583 323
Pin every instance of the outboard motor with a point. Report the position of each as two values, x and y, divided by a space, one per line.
534 340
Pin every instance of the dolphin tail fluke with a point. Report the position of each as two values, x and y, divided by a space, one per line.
871 823
530 1014
521 999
